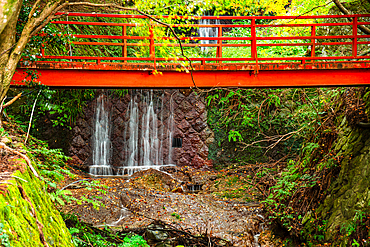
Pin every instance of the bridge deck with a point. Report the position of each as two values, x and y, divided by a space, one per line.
217 64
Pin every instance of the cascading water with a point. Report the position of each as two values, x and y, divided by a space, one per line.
148 135
101 139
208 32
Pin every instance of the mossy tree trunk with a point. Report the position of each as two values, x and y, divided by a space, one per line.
12 47
8 20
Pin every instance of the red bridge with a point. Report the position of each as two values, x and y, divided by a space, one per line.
132 51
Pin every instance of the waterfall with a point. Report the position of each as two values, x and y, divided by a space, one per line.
208 32
101 139
148 135
170 131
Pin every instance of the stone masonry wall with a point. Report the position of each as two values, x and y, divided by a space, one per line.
190 124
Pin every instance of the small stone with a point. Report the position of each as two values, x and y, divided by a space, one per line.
78 141
177 190
156 235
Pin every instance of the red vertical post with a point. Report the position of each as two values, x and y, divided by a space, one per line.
42 50
313 40
151 40
219 47
354 33
254 40
124 41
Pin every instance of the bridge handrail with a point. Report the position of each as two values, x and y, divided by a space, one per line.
253 41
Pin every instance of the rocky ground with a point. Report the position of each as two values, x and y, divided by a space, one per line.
190 202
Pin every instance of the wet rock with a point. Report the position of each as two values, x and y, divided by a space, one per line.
76 130
186 92
191 115
87 163
200 107
78 142
119 122
195 140
206 133
191 131
185 106
75 160
72 151
183 162
184 125
188 148
197 162
199 125
209 141
178 97
121 106
178 134
203 152
82 123
156 233
178 115
82 154
86 133
193 98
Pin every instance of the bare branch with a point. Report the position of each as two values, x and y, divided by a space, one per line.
276 139
2 145
13 100
49 19
317 7
7 50
33 10
343 9
30 123
99 5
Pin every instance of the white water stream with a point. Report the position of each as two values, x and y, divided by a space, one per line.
101 139
148 136
208 32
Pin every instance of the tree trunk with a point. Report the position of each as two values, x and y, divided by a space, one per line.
8 9
7 40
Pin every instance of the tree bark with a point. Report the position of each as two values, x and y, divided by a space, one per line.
8 9
7 40
9 61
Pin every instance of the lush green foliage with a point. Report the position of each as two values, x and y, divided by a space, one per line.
83 235
4 237
218 7
32 50
52 168
61 107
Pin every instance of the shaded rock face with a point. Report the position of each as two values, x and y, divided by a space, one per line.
350 193
190 125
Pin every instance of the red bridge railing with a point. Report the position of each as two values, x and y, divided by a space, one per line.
315 32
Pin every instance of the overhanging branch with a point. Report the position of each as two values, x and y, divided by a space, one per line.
345 11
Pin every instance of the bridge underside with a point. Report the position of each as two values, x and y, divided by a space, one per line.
246 75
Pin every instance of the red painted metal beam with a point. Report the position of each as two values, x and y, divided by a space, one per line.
150 66
203 79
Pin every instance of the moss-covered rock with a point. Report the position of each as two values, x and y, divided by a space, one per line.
18 219
349 194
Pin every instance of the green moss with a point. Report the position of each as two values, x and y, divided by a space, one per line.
20 223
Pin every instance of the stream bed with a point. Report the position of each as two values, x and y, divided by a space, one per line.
153 195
